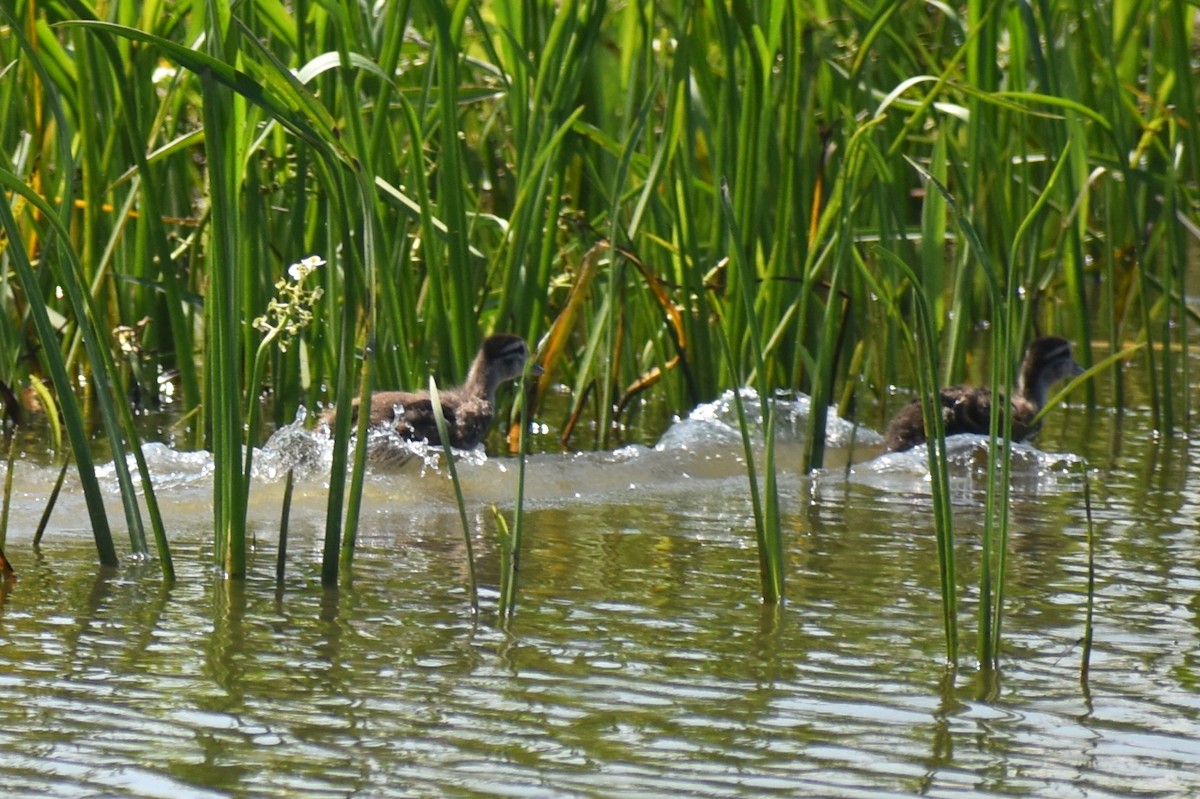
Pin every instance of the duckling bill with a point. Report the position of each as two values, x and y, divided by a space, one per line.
968 409
468 408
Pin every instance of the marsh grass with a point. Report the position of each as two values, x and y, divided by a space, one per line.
459 500
285 515
1085 660
6 500
51 501
536 167
921 350
765 498
511 539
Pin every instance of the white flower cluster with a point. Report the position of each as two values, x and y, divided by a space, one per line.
290 310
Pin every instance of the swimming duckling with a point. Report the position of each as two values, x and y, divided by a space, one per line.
968 409
468 408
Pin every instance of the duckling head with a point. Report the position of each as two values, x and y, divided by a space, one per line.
1047 361
501 358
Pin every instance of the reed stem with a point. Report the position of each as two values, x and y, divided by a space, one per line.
510 543
284 517
44 521
8 483
468 546
1089 613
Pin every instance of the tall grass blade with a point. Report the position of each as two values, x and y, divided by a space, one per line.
922 350
1011 318
344 353
770 580
767 522
224 320
510 542
51 501
508 569
995 543
72 415
149 179
6 501
1086 658
358 464
835 222
72 281
454 301
284 517
361 284
114 406
468 546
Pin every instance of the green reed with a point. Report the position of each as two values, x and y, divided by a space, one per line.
285 514
6 500
51 501
921 344
510 539
358 467
765 500
558 167
1085 660
1004 302
448 451
1011 337
224 114
72 415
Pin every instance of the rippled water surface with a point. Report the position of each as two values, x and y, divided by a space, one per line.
641 662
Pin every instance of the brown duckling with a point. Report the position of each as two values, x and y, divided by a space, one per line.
968 409
468 408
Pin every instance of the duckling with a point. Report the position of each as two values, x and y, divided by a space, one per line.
968 409
468 408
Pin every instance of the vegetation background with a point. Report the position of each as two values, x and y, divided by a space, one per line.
669 198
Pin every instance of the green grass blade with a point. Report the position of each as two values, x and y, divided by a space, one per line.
468 545
224 321
924 353
284 518
72 415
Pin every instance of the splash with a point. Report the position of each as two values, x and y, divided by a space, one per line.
304 452
705 447
309 453
967 456
716 423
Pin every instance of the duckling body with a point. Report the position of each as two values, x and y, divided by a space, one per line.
468 408
968 409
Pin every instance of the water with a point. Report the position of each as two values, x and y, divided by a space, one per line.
641 662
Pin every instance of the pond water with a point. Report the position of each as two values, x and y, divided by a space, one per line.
640 662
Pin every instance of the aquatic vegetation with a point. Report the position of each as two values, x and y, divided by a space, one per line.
448 449
287 314
681 200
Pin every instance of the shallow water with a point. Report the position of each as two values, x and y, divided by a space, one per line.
641 662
